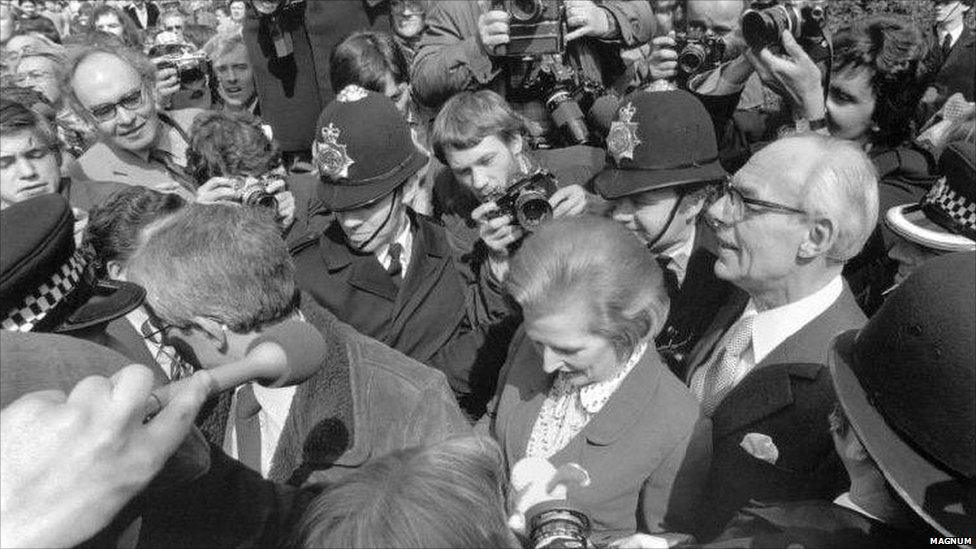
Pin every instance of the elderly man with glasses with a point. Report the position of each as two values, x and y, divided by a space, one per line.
113 88
784 225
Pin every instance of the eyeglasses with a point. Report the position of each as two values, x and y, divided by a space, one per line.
173 28
738 204
130 102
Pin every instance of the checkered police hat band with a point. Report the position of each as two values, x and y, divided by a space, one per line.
960 209
49 295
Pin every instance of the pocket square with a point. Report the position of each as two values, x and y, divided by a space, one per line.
760 446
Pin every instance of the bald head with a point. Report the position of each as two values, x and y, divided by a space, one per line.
719 16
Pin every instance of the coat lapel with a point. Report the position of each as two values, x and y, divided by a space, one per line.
431 256
519 425
365 272
761 394
723 320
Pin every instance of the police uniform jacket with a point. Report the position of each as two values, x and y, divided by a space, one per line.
786 397
441 315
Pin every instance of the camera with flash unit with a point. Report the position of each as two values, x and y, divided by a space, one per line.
190 65
535 27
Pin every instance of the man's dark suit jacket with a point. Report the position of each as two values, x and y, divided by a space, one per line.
786 397
814 523
957 71
442 314
693 307
152 15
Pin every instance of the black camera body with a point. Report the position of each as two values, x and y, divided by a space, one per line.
527 199
535 27
698 50
764 23
190 65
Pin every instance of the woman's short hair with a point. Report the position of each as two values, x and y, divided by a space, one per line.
468 117
450 494
894 49
225 262
366 58
595 262
229 143
112 233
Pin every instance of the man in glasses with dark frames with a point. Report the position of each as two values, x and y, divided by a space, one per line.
785 224
139 145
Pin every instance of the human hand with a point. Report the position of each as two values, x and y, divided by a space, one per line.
218 189
498 232
69 464
535 480
492 30
167 84
587 19
793 74
285 212
567 201
663 61
640 541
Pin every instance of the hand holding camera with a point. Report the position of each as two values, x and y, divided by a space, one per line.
663 61
167 84
268 191
493 30
588 19
794 75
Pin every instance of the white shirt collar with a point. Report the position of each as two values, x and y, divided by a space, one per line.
955 33
774 326
844 500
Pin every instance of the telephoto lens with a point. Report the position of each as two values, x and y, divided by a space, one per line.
762 28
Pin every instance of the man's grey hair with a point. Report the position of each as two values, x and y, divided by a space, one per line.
225 262
843 188
134 58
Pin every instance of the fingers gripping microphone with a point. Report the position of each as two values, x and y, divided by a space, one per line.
285 354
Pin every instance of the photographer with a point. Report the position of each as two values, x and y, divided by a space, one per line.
482 142
461 49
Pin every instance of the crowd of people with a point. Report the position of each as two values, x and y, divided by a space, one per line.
508 273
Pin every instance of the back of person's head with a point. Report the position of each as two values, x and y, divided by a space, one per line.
39 25
224 262
894 50
450 494
229 143
112 233
597 263
469 117
368 58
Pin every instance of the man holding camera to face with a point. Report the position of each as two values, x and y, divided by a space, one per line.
520 50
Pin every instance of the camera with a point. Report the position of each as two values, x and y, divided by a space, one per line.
535 27
765 21
527 199
255 191
698 50
190 65
572 101
556 524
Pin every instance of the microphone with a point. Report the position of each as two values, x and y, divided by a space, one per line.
285 354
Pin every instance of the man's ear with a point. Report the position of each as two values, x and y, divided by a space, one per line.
516 144
820 238
216 332
115 270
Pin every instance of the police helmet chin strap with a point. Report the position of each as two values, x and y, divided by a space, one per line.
667 225
389 215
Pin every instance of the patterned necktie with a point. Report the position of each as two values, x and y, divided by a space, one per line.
718 380
946 46
396 268
248 428
175 170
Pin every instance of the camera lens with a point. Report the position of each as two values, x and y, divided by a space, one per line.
532 208
762 28
524 11
692 57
